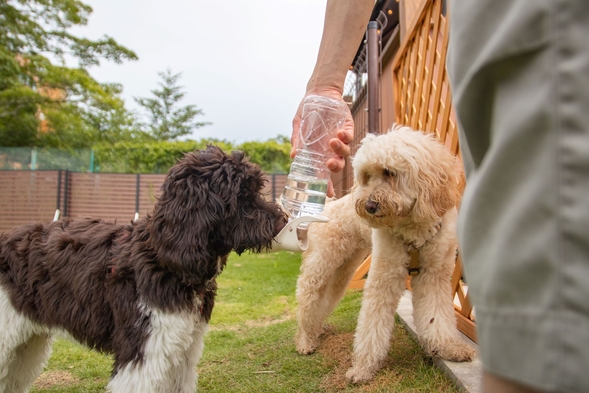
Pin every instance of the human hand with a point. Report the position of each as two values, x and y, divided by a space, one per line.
339 145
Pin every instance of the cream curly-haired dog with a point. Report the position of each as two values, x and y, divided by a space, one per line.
407 188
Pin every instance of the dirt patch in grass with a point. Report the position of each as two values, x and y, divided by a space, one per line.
337 350
337 347
51 378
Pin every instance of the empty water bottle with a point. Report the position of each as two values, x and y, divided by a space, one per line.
306 185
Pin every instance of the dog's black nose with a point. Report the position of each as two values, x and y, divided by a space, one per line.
371 207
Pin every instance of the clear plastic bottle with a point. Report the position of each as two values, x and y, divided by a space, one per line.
306 185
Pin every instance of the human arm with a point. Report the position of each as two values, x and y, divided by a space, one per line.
344 26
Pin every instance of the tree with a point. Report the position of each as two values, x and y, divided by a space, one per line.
112 122
168 120
38 95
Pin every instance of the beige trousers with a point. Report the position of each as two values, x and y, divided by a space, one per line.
520 81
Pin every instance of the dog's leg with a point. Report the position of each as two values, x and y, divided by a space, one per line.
23 353
383 289
316 274
188 376
320 287
170 357
328 265
433 309
26 365
342 278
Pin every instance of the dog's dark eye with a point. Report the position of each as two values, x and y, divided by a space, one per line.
365 178
389 173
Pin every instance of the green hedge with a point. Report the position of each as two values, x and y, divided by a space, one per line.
157 157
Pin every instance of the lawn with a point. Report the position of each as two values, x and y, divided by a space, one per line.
250 344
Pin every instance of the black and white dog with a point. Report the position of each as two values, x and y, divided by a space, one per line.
142 291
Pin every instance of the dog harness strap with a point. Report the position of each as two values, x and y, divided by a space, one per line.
414 263
414 253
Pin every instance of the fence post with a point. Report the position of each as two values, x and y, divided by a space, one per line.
34 158
137 184
57 211
372 70
66 192
92 160
274 187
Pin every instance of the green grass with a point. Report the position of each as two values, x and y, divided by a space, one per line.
250 344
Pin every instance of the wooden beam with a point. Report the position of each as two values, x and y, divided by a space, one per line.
358 280
466 326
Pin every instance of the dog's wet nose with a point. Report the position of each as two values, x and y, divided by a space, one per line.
371 207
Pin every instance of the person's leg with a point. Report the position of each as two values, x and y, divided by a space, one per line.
520 83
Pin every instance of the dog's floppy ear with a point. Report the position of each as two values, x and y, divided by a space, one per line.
437 183
187 212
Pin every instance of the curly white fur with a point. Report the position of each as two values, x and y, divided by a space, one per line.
406 190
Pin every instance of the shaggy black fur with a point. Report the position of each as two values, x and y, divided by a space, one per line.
90 277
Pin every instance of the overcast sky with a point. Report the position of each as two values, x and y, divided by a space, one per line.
244 63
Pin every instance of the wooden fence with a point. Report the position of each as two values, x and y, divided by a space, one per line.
31 196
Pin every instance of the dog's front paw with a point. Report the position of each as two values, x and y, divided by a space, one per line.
358 375
306 349
306 345
457 351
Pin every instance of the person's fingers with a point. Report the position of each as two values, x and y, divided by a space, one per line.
340 148
330 191
340 144
346 135
336 164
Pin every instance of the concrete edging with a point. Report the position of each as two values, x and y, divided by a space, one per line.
467 375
